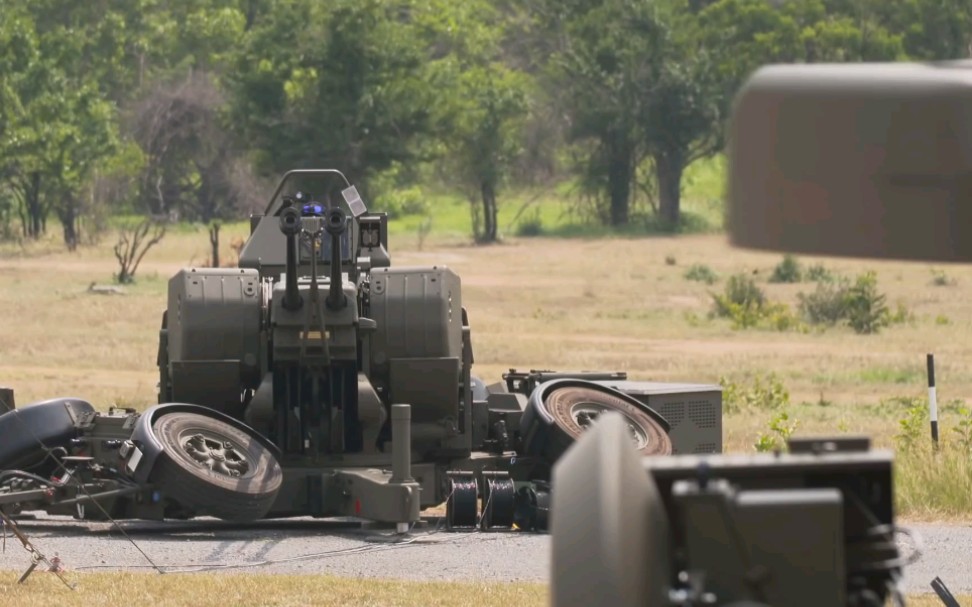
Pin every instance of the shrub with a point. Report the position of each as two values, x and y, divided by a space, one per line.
859 304
701 273
530 226
826 305
867 311
746 306
941 279
818 273
767 393
780 430
788 270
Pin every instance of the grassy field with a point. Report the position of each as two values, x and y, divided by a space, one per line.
265 590
618 303
189 590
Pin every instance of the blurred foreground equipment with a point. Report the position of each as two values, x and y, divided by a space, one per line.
869 160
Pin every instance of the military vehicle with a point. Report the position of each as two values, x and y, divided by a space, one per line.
316 379
865 160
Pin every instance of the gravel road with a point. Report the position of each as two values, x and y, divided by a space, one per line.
346 548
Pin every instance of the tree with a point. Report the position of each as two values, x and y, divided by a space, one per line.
339 84
481 103
636 88
192 168
54 130
605 69
485 139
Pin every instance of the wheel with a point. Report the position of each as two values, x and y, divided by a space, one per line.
214 468
461 507
30 432
556 417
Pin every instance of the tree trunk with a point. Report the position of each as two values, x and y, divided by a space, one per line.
619 182
214 241
488 192
35 213
668 172
69 221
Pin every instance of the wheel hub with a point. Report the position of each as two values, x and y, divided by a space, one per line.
585 414
222 457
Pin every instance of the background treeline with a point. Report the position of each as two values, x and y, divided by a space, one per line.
187 109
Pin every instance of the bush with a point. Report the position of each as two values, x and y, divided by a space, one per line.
701 273
745 304
867 311
403 202
767 393
826 305
788 270
741 292
780 430
859 304
530 226
818 273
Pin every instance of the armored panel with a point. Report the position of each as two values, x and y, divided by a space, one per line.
694 411
429 385
418 312
214 315
211 383
804 562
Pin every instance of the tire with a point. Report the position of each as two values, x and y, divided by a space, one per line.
26 434
557 417
213 468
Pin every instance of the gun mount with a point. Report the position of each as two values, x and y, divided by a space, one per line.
316 379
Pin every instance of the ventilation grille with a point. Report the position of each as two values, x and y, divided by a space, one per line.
702 414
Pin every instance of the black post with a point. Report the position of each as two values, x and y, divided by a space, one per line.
932 402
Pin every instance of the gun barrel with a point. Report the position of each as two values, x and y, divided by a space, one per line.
290 226
335 222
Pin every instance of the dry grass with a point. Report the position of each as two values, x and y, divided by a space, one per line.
189 590
219 590
615 304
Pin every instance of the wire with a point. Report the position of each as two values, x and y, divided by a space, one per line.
84 490
415 541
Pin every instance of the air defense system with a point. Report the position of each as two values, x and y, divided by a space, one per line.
856 160
317 379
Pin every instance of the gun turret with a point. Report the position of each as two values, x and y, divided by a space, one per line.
290 226
335 222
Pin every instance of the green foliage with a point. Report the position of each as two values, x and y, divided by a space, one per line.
912 427
867 311
701 273
941 279
746 306
825 305
479 96
963 429
859 304
780 430
818 273
788 270
530 226
763 393
741 291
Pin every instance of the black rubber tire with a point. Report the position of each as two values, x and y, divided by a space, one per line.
551 441
26 434
195 485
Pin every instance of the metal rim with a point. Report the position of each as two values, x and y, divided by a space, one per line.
207 449
585 414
